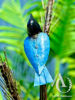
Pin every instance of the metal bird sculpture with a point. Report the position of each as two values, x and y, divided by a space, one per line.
37 47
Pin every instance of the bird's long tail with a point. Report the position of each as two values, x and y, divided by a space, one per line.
43 78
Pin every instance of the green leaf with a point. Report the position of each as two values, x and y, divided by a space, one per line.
1 98
14 29
12 15
31 4
62 34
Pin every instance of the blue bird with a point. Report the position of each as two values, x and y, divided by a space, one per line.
37 47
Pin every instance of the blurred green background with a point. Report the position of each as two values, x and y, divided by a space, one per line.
14 15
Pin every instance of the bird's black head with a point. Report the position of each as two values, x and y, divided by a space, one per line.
33 27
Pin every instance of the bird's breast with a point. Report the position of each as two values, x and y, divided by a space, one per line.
37 50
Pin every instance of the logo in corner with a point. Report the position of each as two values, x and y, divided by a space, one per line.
60 84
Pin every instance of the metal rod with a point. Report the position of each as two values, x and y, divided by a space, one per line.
43 88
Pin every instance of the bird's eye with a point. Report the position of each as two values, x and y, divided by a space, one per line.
31 22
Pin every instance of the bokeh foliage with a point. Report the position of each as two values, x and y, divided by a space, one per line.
61 34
